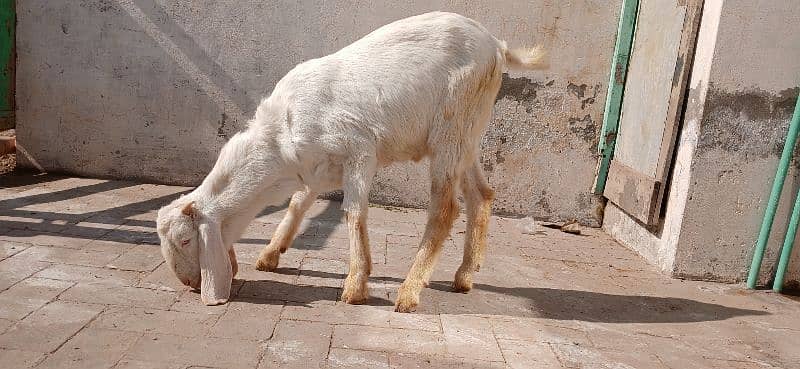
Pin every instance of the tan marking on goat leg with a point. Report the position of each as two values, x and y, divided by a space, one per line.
234 263
478 198
442 213
287 230
355 285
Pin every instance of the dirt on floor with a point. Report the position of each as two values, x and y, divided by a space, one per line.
8 161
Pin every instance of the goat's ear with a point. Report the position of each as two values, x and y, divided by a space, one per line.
189 210
215 266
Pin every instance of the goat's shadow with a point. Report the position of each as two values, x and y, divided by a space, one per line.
550 303
272 292
546 303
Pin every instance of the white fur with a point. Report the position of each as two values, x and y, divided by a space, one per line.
419 87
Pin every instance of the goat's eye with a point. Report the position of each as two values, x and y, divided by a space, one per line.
185 242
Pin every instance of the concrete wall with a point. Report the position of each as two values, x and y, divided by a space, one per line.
151 89
744 87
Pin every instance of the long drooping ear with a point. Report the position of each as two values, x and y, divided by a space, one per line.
215 265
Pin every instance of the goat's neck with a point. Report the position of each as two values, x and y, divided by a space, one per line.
259 185
241 200
250 174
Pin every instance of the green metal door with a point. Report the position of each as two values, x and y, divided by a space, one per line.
7 63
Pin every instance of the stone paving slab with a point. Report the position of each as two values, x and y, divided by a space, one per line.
28 296
46 329
91 348
82 284
298 344
207 352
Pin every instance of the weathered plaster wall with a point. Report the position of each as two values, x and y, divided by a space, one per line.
658 245
753 87
151 89
743 93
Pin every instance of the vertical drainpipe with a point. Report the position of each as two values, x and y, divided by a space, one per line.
788 241
616 88
774 197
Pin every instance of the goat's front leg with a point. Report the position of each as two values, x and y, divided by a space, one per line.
355 285
358 176
286 231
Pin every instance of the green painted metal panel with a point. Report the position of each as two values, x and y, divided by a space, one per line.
616 87
7 59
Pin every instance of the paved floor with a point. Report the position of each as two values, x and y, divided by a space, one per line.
83 285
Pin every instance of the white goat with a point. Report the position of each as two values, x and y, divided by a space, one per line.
420 87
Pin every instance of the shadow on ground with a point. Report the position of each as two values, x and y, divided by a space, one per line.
549 303
558 304
32 223
277 293
564 304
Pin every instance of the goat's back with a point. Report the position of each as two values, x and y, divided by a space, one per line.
397 91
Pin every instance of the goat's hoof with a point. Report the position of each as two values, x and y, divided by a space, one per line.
406 302
405 307
267 263
213 302
462 283
461 287
355 293
354 298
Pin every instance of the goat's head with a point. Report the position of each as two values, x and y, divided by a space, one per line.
192 247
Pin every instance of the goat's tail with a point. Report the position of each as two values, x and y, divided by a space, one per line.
525 58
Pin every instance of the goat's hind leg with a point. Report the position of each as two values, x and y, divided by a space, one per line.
287 230
478 200
442 212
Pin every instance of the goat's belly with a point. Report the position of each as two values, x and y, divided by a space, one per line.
389 154
323 177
